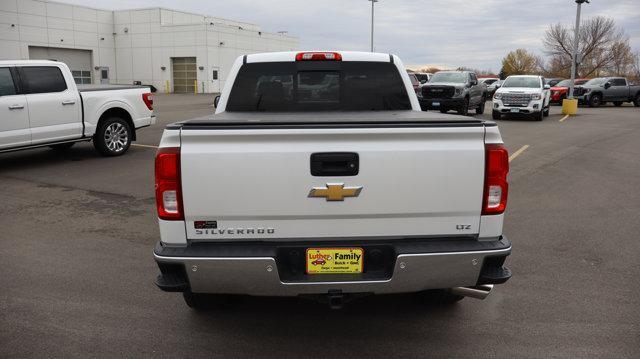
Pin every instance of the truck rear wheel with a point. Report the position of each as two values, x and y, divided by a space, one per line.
113 137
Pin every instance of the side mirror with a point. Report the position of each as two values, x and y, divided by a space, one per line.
547 87
607 85
215 101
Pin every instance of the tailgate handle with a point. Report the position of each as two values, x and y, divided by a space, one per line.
337 164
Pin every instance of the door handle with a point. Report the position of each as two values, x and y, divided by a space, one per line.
330 164
16 107
68 102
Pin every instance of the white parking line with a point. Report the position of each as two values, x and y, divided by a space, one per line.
564 118
145 146
518 152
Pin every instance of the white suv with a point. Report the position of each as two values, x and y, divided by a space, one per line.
522 94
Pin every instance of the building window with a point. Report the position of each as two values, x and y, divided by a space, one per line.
81 77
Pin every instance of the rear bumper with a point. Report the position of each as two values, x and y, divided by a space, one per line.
271 269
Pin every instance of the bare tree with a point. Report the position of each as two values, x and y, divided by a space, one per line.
603 47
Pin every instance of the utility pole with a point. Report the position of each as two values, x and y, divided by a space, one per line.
373 2
576 40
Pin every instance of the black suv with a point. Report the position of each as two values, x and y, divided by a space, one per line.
453 90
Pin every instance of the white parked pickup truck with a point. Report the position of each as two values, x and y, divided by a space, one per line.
319 175
522 95
40 105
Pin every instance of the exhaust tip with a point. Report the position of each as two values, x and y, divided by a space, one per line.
478 292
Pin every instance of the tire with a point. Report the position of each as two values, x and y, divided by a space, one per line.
595 100
443 110
113 137
464 109
545 112
538 116
496 115
480 108
636 101
439 297
618 103
62 146
203 302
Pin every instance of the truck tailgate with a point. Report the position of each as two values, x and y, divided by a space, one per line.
252 183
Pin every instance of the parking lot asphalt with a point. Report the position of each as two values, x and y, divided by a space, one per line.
77 231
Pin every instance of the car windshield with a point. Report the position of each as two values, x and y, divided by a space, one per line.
566 83
597 81
456 77
529 82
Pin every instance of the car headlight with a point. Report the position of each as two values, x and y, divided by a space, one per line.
536 96
497 96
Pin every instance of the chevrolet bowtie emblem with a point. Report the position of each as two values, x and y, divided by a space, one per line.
335 192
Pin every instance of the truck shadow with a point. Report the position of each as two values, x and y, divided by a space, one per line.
41 157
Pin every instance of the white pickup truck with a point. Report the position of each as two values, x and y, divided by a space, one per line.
40 105
320 176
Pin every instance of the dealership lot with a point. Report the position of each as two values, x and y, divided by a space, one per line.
77 231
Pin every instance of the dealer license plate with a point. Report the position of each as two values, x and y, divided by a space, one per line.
515 110
435 104
334 260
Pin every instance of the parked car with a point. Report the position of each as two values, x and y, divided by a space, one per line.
599 91
453 90
306 171
522 94
553 81
40 105
423 77
561 90
414 82
493 87
488 80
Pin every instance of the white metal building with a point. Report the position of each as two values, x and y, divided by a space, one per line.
173 50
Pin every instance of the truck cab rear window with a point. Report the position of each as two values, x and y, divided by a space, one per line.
42 79
336 86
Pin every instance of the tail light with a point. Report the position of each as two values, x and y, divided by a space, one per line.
318 56
148 100
168 187
496 187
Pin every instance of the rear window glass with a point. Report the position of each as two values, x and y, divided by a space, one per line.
318 86
43 79
6 82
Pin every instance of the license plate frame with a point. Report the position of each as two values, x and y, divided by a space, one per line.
334 260
515 110
435 104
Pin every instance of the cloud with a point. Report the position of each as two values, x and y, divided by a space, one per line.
473 33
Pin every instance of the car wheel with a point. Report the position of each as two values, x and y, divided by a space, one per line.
480 108
636 101
62 146
443 110
618 103
538 116
113 137
545 112
496 115
439 297
464 109
595 101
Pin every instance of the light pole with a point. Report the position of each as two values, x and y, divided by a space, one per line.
373 2
576 40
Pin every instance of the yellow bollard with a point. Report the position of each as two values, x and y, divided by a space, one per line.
569 107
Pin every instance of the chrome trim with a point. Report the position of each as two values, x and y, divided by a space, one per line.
255 275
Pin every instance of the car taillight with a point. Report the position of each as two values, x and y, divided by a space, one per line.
318 56
168 188
148 100
496 187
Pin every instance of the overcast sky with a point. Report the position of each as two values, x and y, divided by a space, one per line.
472 33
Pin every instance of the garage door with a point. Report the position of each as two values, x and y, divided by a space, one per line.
184 74
79 61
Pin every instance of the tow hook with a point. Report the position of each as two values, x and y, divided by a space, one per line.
336 299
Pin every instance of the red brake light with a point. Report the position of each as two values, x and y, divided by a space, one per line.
168 187
318 56
148 100
496 187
